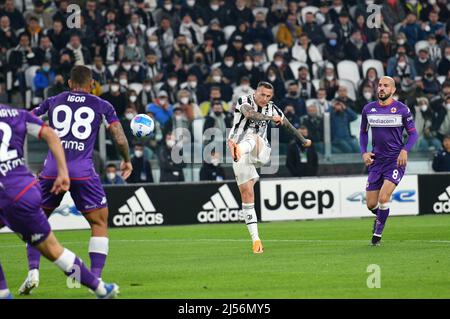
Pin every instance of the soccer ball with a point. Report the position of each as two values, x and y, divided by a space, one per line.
142 125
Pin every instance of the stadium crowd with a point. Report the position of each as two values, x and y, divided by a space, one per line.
186 62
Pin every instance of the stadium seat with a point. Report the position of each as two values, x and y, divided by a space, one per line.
373 64
216 65
30 73
320 48
260 9
348 70
317 69
150 31
350 88
423 44
352 11
294 65
371 47
307 9
441 79
316 83
275 30
355 127
158 86
266 66
137 87
271 50
113 68
327 29
310 101
222 49
228 31
204 29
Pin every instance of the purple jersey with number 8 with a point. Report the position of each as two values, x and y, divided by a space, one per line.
76 117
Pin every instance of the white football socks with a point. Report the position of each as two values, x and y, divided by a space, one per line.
66 261
99 245
251 219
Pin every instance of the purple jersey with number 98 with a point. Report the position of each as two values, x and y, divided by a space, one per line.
76 117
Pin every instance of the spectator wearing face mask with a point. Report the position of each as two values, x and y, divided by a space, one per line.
171 87
125 120
44 76
100 73
323 104
216 79
116 97
313 121
356 50
146 95
111 176
243 89
57 87
370 79
197 90
212 170
441 160
383 49
423 121
444 64
142 171
333 51
161 108
292 97
191 30
131 51
329 82
340 118
153 70
393 12
185 111
284 70
302 161
365 97
171 170
423 61
444 128
248 70
219 119
277 83
199 67
215 94
134 102
215 11
229 68
431 85
307 89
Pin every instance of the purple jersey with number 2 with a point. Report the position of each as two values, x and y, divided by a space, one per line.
387 124
76 117
20 195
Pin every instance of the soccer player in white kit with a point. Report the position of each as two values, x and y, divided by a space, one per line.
250 148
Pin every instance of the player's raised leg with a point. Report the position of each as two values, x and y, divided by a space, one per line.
70 264
384 198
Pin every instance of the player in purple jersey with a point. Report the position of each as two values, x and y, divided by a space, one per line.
20 198
76 116
387 161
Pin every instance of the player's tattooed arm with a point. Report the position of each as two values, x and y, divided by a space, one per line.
294 132
120 140
250 113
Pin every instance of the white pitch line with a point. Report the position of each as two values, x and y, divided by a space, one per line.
310 241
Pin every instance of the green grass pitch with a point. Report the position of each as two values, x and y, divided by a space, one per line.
303 259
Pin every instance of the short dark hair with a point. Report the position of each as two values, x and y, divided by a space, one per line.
111 165
81 75
265 84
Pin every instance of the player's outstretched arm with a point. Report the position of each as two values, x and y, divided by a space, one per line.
293 131
62 181
121 142
248 111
